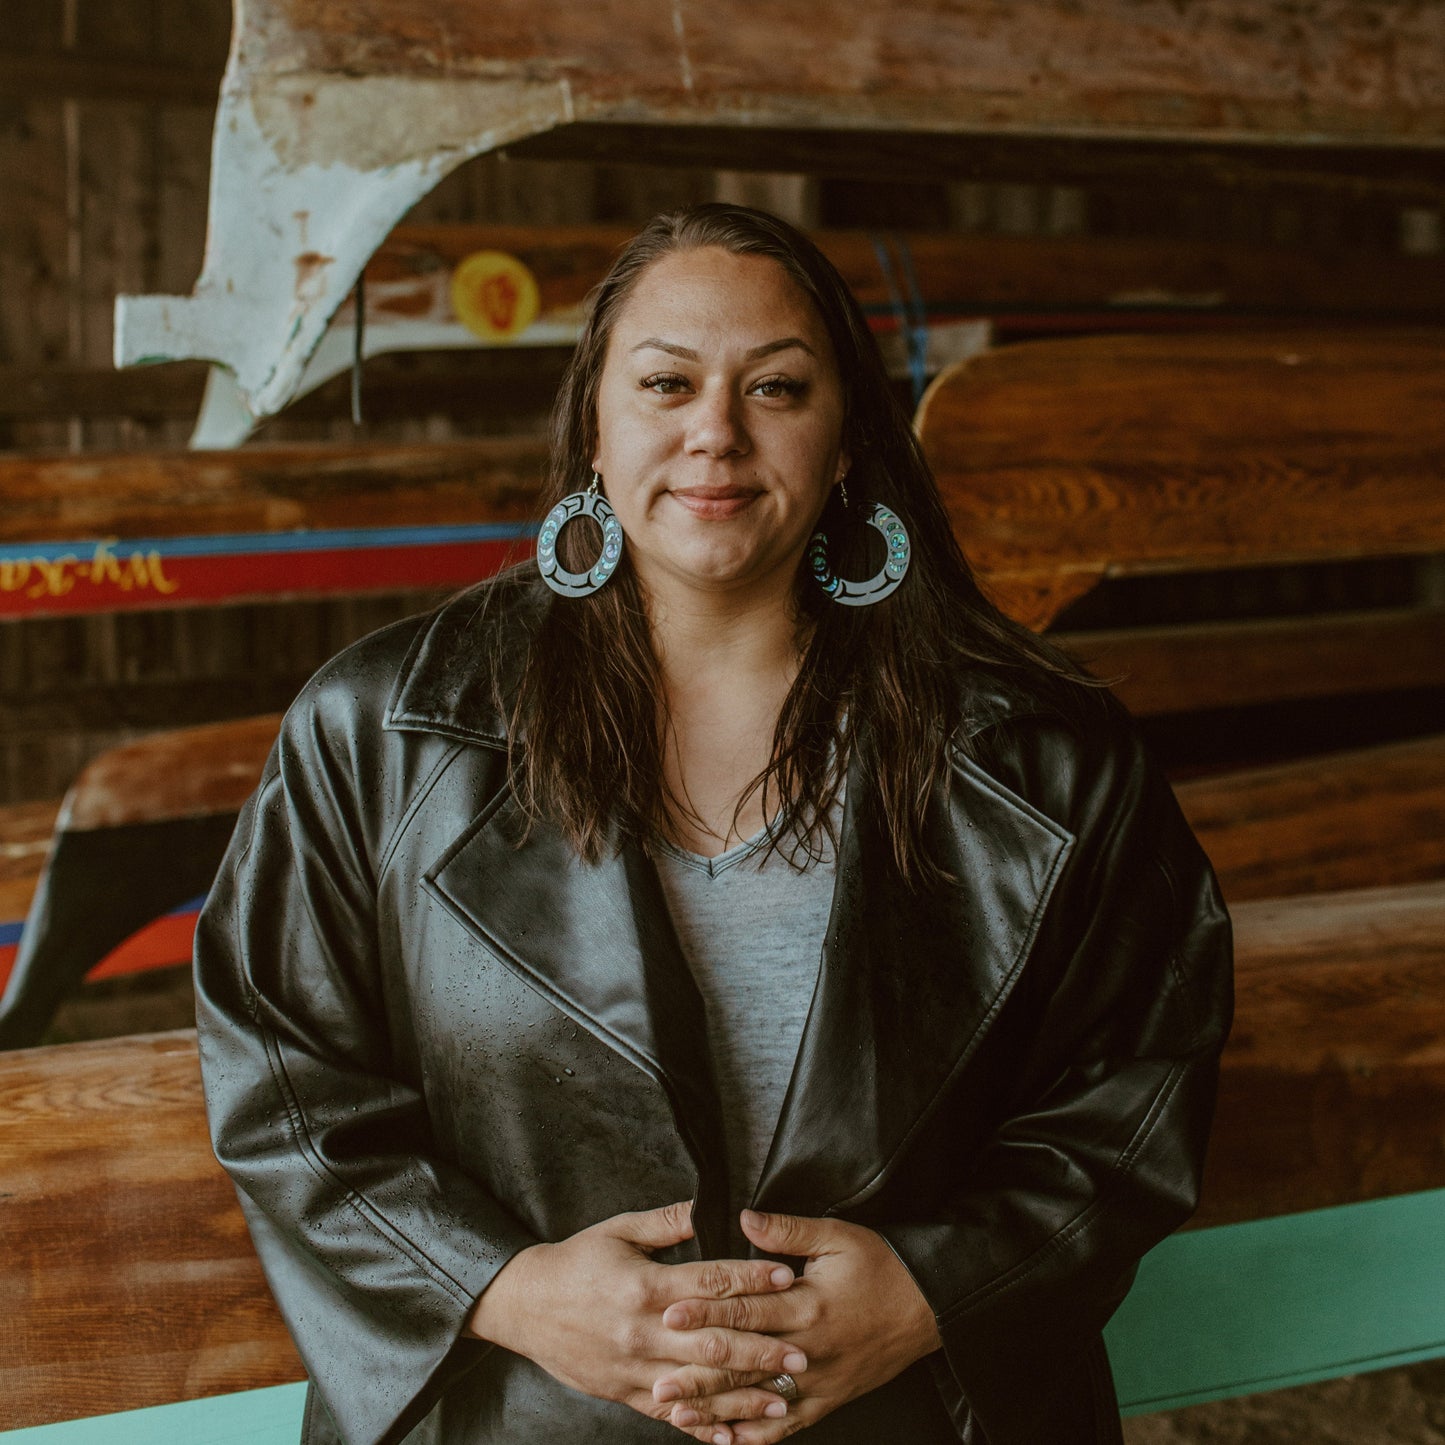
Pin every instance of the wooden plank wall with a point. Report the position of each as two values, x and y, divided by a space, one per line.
105 126
104 156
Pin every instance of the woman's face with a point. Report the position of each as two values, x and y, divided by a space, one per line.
719 422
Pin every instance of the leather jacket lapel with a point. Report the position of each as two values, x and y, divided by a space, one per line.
597 941
908 984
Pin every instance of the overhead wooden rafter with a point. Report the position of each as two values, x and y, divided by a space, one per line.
335 120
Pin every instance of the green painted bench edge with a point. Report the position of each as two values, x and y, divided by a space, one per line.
1214 1313
1285 1301
249 1417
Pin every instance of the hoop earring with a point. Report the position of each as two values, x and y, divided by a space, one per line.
590 503
881 584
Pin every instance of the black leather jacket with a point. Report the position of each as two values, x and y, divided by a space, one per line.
425 1047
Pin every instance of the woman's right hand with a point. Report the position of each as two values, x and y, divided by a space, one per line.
589 1309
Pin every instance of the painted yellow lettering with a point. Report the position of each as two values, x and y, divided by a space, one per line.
14 573
55 578
103 565
158 579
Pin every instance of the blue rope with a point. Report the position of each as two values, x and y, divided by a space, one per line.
918 337
910 313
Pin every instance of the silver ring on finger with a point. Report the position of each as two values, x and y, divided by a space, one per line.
786 1386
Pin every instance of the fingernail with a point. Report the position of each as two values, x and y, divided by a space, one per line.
795 1361
777 1409
722 1438
663 1393
687 1417
753 1219
782 1276
675 1317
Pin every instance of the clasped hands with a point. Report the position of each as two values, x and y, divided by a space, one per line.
695 1344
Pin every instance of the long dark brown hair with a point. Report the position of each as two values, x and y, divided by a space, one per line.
878 684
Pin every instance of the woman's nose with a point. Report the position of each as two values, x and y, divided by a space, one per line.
715 423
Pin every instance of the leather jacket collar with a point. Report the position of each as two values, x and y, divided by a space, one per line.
895 995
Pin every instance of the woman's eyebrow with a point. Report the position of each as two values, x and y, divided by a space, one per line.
655 343
769 347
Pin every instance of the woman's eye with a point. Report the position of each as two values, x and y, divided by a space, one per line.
776 387
665 383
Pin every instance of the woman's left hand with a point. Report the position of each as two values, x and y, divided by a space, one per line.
855 1311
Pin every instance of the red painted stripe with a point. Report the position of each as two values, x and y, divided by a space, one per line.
164 943
161 944
183 581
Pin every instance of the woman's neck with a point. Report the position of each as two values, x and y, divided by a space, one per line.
727 667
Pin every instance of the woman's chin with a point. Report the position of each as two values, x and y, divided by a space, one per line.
716 571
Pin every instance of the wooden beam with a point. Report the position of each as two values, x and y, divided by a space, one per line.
1158 670
1362 819
1333 1082
1021 285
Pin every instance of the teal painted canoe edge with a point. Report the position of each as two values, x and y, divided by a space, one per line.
1286 1301
1279 1382
249 1417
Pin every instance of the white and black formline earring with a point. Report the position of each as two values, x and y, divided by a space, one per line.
590 503
883 582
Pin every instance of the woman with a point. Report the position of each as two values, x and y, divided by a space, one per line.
728 986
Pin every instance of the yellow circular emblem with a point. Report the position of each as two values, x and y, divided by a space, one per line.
494 295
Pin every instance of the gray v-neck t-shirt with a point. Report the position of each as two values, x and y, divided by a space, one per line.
751 928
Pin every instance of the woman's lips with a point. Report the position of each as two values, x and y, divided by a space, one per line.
714 503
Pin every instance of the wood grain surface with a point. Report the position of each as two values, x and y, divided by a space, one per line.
128 1275
1065 462
267 489
186 773
1333 1085
1370 72
1157 670
1360 819
25 833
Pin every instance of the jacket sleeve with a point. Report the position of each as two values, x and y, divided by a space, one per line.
375 1247
1120 1016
